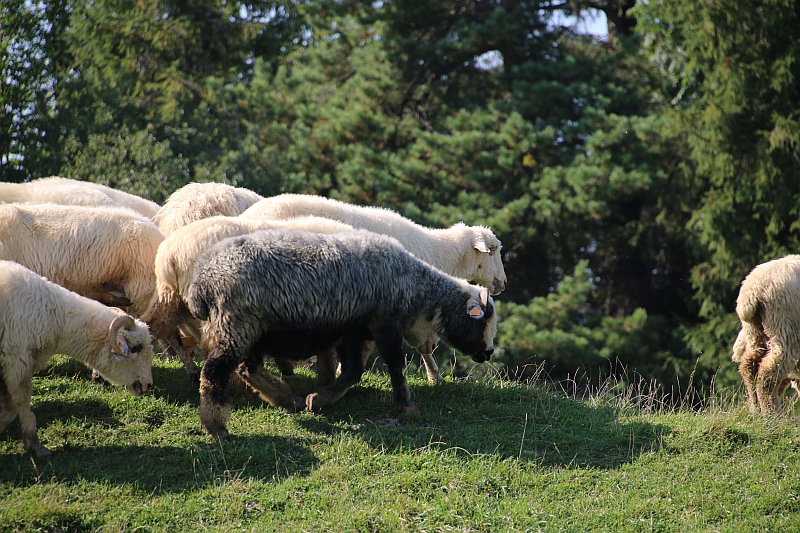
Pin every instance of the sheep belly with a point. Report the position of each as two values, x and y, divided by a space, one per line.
300 344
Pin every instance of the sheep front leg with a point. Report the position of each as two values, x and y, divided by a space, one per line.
6 416
391 349
19 401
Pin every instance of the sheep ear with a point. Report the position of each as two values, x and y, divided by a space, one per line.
480 245
123 348
474 310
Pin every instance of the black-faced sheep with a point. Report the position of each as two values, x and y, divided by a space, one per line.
104 254
65 191
469 252
292 294
197 201
768 345
39 319
174 269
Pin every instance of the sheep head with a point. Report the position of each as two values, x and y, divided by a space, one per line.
132 351
489 269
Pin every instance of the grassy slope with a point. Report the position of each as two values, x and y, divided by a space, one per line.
482 456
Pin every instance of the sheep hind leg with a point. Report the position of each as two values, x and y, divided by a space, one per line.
748 368
269 388
215 405
773 371
352 359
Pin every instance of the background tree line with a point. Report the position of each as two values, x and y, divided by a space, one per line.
634 180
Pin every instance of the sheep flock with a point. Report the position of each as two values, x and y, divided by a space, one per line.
109 279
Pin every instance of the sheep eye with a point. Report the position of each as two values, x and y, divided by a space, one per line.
492 250
137 348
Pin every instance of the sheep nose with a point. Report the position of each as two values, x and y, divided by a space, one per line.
498 286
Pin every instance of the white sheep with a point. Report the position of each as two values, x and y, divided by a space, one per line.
65 191
105 254
38 319
768 345
174 269
468 252
197 201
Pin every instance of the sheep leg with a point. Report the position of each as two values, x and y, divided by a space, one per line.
326 368
390 346
19 402
432 368
175 345
748 368
215 405
285 366
773 370
351 355
270 388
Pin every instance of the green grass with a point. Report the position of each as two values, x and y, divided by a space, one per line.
483 455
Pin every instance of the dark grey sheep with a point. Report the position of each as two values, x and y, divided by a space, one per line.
292 294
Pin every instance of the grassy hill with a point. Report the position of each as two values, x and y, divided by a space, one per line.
483 455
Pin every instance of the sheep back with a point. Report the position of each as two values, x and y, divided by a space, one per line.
101 253
197 201
471 252
66 191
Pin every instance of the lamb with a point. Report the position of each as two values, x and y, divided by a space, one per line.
65 191
767 347
197 201
105 254
291 294
174 268
38 319
470 252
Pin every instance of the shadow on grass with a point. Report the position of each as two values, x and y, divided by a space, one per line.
165 468
528 423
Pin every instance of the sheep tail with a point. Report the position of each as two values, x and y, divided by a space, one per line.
197 305
748 306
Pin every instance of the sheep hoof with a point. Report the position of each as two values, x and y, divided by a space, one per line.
435 378
409 408
219 434
38 450
314 402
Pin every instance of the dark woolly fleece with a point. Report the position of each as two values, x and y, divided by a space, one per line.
293 294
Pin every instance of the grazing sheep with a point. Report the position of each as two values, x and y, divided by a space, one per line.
291 294
768 345
197 201
65 191
104 254
174 268
469 252
39 319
